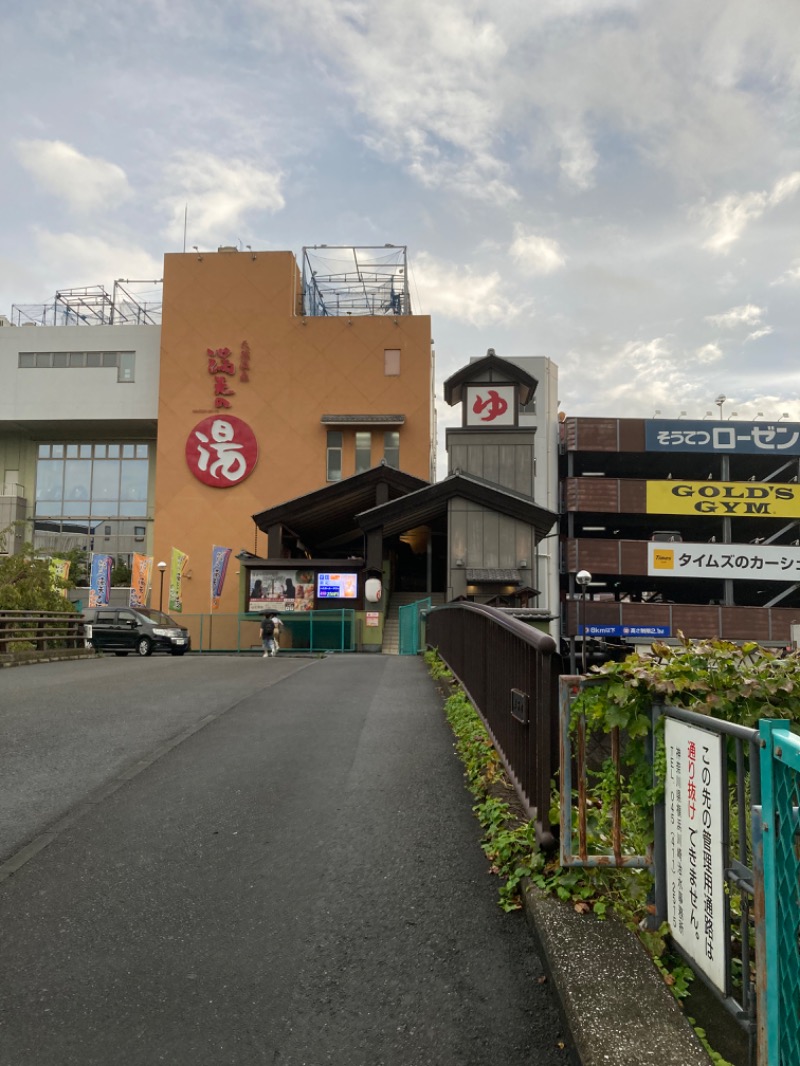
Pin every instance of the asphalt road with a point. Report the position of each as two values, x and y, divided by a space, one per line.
278 864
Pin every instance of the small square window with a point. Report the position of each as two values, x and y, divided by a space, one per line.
58 451
44 451
99 451
72 451
86 451
44 359
113 451
128 451
59 358
141 451
77 358
94 358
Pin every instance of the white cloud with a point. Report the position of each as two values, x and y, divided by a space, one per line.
746 315
535 254
729 217
709 353
757 334
790 276
75 259
85 183
219 193
461 294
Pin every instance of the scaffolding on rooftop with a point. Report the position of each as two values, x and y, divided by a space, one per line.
92 305
341 280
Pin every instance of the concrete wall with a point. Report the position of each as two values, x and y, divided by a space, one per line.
77 394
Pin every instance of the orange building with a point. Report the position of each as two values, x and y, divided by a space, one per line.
269 390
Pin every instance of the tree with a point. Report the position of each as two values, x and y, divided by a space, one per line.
27 584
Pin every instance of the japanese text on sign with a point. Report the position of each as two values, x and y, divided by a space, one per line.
754 562
752 438
693 805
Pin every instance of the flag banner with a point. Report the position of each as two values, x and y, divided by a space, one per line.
219 568
100 581
59 569
179 561
141 575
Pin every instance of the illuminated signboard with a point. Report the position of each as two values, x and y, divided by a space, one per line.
742 499
337 586
749 438
749 562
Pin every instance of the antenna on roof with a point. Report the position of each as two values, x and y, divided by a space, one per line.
185 217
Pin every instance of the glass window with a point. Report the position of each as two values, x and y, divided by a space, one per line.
86 451
334 455
134 480
44 359
126 364
44 451
59 358
99 451
105 484
391 362
49 474
94 358
77 480
77 358
58 451
72 451
26 359
363 451
113 451
142 451
128 451
391 448
109 358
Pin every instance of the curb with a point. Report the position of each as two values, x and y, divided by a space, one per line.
617 1009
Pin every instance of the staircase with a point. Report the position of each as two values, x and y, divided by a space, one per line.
391 627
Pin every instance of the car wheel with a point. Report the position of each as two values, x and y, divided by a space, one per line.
120 653
145 646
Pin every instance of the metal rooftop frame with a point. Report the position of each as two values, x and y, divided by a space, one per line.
91 305
341 280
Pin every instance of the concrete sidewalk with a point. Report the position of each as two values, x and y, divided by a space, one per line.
298 882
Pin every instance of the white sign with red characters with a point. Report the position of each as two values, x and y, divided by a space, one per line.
695 798
491 405
221 451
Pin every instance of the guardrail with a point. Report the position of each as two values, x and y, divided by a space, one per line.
38 631
509 671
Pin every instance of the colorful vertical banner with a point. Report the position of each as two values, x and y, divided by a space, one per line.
219 568
141 574
100 580
59 569
179 561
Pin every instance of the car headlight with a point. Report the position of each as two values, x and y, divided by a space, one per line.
162 632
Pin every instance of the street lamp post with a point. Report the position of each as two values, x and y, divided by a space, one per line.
583 577
162 566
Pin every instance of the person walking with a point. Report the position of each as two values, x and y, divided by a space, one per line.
267 633
277 626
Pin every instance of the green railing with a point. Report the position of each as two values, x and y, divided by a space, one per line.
303 631
411 637
780 836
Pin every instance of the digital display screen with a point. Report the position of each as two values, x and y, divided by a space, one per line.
337 586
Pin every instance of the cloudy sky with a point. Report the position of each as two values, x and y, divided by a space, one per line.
614 184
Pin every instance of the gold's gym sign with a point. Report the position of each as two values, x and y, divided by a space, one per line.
744 499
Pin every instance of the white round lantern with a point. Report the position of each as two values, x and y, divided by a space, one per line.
373 589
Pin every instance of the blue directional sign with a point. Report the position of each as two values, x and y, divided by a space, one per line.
624 631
